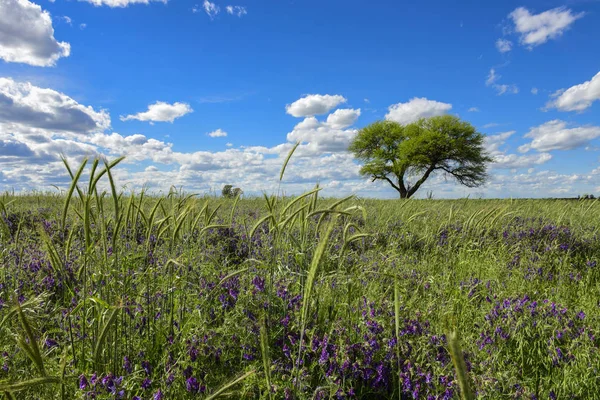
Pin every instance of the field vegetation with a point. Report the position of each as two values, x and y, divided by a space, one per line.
108 295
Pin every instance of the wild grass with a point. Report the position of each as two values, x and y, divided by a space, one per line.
110 295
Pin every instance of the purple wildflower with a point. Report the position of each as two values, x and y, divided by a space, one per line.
192 385
146 383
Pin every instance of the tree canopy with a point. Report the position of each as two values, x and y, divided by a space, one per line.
405 156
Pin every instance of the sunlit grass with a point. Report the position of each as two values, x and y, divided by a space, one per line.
118 295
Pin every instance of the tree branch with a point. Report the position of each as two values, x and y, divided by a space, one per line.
383 177
418 184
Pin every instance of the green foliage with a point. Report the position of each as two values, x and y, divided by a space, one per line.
229 192
397 153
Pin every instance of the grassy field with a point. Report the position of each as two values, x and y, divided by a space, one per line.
115 296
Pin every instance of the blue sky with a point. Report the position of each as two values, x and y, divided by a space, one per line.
199 94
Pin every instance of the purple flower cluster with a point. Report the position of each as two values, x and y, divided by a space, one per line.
98 385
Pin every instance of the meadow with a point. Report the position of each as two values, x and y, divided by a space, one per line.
109 295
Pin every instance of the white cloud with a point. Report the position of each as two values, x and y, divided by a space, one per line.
554 135
510 161
121 3
27 35
578 97
229 144
161 112
342 118
218 133
473 109
506 89
29 157
536 29
30 149
501 89
503 45
502 160
135 147
28 105
492 77
493 142
314 104
541 184
210 8
82 26
67 19
534 90
491 125
236 10
328 136
415 109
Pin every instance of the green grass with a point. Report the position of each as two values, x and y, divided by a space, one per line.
202 297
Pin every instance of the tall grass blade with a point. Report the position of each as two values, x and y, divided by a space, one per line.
287 159
103 335
29 384
310 280
224 388
264 347
31 347
459 365
74 180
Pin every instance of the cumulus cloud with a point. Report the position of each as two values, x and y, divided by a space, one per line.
121 3
135 147
536 29
504 160
578 97
473 109
510 161
161 112
555 135
14 148
29 153
314 104
342 118
503 45
328 136
218 133
29 105
210 8
416 108
540 184
236 10
493 142
27 35
534 91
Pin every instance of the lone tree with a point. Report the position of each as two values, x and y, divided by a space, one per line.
401 154
230 192
227 191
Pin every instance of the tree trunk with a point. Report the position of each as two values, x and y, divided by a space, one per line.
407 193
402 187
